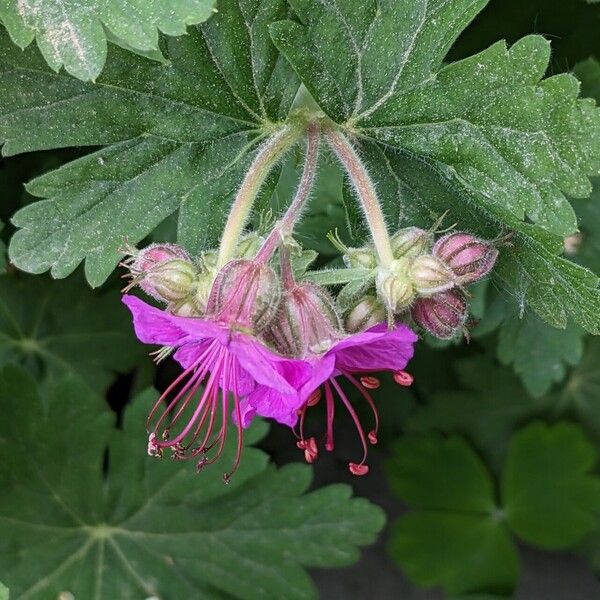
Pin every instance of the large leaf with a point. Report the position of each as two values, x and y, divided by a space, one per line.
72 34
551 498
154 529
458 536
176 137
539 354
486 136
454 539
54 328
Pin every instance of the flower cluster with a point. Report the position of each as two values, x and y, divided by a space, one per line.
426 279
254 337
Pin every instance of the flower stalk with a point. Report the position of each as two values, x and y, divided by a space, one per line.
269 154
286 225
365 190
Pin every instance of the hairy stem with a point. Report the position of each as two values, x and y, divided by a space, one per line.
269 154
286 225
365 190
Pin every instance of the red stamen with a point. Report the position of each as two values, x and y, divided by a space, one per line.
330 414
367 397
314 398
355 418
371 383
403 378
358 470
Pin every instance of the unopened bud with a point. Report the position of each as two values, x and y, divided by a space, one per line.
394 287
164 271
245 293
430 275
469 257
410 242
367 313
364 258
306 323
442 315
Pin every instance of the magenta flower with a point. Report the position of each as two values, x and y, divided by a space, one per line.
226 360
358 355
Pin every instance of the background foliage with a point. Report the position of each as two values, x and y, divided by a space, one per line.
496 446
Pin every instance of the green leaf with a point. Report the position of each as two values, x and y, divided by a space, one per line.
356 275
175 137
539 353
154 528
550 497
3 592
56 328
487 405
588 72
71 34
580 396
454 538
485 136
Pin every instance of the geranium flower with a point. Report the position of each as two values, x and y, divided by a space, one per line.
353 358
225 358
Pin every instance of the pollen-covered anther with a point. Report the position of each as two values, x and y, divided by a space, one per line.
153 449
403 378
370 382
358 469
311 451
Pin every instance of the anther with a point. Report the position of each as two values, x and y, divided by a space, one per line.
358 470
314 398
403 378
371 383
372 437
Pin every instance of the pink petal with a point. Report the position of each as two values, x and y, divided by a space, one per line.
377 349
156 326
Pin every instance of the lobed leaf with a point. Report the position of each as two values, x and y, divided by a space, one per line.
154 529
73 34
176 137
54 329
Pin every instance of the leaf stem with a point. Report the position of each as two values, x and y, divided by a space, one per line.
365 190
269 154
286 225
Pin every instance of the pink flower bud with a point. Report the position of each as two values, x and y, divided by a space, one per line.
442 315
429 275
245 293
164 271
410 242
468 256
306 324
367 313
156 254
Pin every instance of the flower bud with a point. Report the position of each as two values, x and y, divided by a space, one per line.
169 281
245 293
364 258
469 257
410 242
367 313
442 315
156 254
394 287
306 323
429 275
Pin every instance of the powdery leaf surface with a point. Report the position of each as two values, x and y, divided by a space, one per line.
176 137
71 33
154 528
